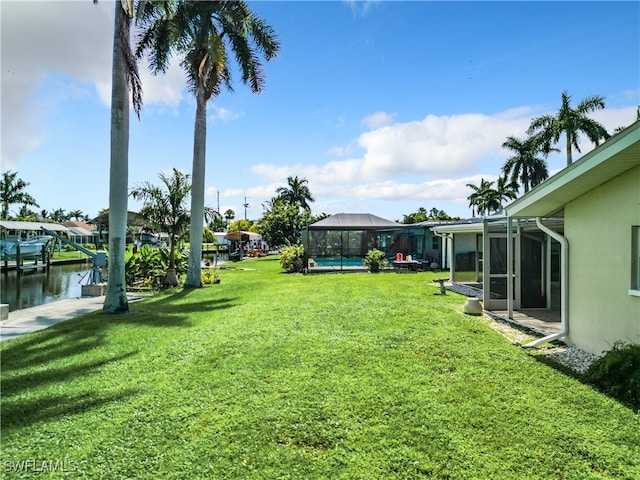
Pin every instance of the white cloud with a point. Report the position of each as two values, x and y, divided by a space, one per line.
72 40
429 161
377 120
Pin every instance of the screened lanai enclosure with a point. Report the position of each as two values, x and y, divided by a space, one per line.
341 241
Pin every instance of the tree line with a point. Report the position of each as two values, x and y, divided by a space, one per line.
527 167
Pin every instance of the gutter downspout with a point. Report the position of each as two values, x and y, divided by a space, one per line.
564 269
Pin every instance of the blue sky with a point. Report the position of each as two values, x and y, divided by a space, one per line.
384 107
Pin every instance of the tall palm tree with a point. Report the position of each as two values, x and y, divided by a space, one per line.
571 122
296 193
12 191
165 209
526 167
201 32
124 80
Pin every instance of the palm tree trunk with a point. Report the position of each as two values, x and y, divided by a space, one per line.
569 143
171 278
116 297
194 270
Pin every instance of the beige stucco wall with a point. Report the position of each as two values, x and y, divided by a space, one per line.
598 227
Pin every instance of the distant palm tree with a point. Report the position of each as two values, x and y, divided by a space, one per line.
76 214
484 198
296 193
229 215
165 209
12 191
571 122
201 32
44 214
59 215
526 167
506 190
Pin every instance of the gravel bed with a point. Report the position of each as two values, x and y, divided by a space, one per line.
572 357
568 355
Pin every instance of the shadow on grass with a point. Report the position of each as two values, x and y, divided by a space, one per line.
15 384
87 332
21 413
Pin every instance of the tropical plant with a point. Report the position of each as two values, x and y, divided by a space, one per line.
124 75
526 167
283 222
12 191
201 32
374 260
165 210
571 122
59 215
296 193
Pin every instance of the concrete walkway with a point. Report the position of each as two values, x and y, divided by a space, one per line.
27 320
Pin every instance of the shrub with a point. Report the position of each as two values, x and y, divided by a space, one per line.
374 260
210 277
617 374
69 248
292 259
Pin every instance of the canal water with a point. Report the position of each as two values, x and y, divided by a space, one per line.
32 288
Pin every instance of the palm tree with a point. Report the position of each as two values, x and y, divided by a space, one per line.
571 122
526 167
201 32
12 191
76 214
124 75
166 211
484 198
506 190
297 193
229 215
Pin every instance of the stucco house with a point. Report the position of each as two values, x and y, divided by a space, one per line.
568 251
597 201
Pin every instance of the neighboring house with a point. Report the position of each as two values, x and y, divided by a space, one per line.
570 247
81 232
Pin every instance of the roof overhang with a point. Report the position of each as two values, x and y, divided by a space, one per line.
614 157
459 228
31 226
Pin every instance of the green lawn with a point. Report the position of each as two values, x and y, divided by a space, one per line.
325 376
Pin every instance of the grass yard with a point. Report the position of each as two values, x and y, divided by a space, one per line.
276 376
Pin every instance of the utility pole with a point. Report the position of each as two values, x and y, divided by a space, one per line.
246 205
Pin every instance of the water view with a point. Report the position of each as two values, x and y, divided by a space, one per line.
36 288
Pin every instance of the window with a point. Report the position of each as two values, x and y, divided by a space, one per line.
435 243
635 261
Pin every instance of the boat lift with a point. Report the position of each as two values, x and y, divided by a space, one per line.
98 259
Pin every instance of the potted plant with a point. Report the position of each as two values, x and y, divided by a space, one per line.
374 260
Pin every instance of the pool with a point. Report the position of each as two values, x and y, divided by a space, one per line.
337 262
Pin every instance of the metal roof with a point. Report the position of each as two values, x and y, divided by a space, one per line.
31 226
354 221
614 157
